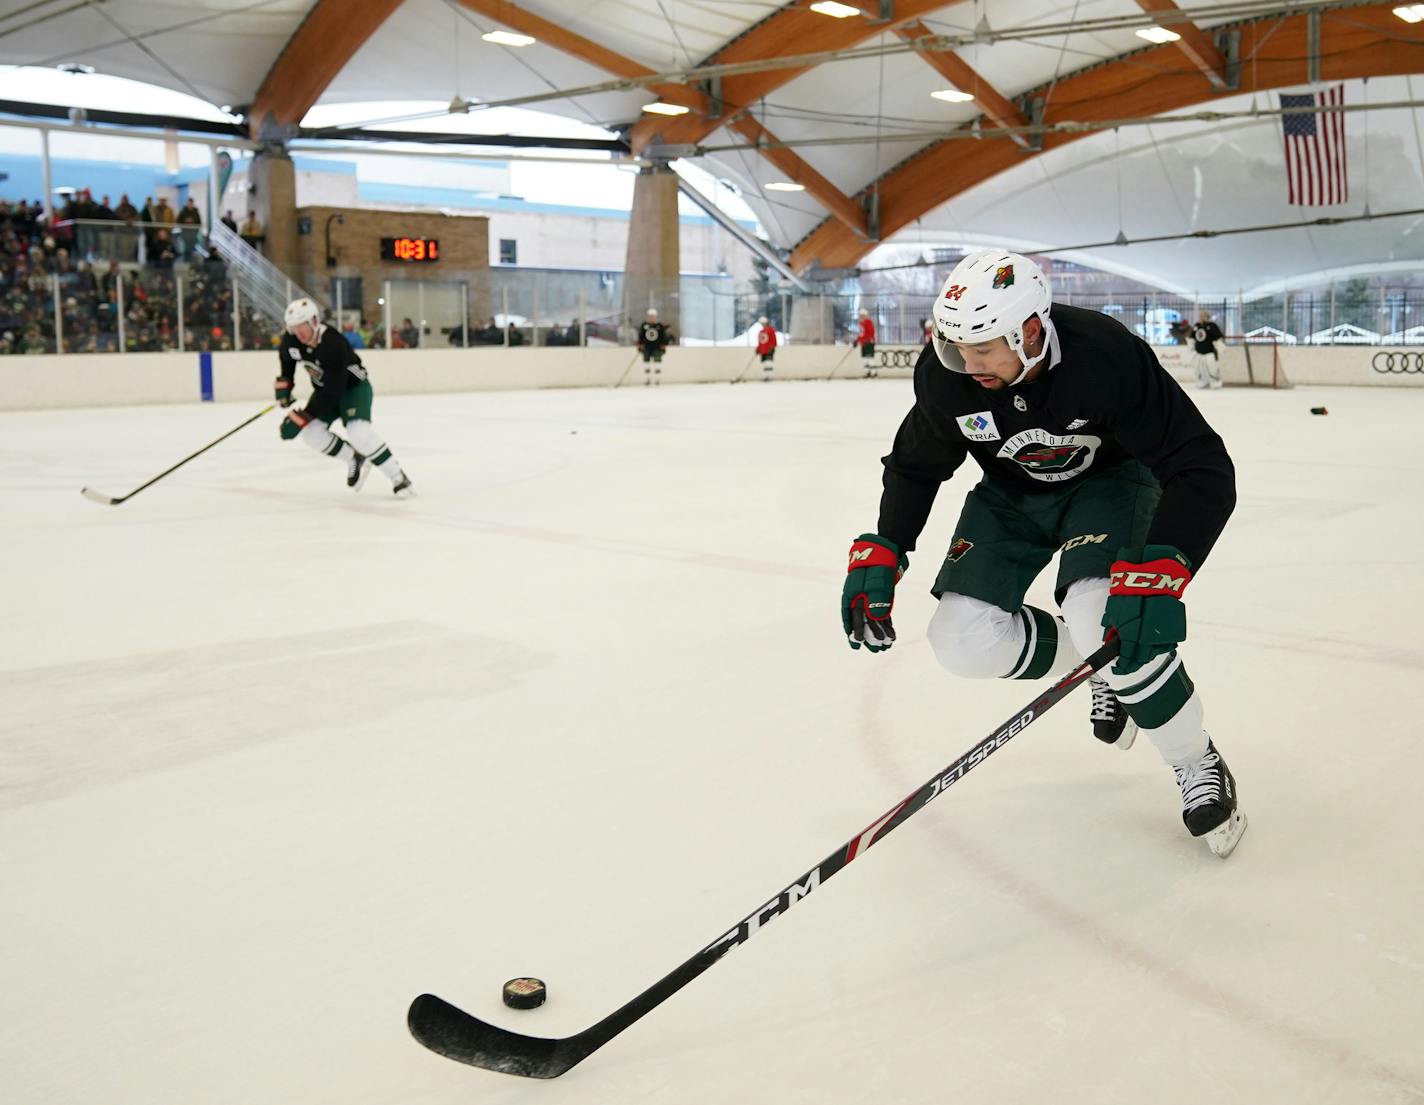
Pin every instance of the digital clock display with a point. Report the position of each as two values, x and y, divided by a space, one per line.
410 249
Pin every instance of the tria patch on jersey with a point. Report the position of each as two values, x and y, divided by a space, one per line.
980 427
957 550
1050 457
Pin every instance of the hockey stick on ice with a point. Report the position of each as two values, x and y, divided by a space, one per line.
742 375
629 369
849 350
108 500
452 1032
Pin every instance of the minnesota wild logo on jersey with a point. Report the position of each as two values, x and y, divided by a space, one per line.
1050 457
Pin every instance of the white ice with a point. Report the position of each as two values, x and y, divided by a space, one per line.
276 759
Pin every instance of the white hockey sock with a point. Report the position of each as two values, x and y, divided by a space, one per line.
1179 738
979 640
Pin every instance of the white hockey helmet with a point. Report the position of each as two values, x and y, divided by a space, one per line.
652 313
300 311
864 313
991 294
763 321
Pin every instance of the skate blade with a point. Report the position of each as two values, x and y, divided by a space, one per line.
1129 734
1223 839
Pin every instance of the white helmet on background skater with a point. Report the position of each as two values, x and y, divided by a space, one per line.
991 294
300 311
763 321
653 313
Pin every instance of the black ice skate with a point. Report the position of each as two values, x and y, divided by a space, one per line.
1111 725
402 488
356 471
1209 802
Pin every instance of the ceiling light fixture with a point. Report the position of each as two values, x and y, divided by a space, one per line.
508 38
953 96
658 107
784 186
1158 35
834 10
1411 13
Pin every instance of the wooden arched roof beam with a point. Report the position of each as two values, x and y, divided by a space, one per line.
326 40
957 71
1195 43
795 29
1364 41
841 206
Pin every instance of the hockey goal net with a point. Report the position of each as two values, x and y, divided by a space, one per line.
1244 360
1248 361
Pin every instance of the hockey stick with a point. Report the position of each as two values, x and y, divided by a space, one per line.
745 368
108 500
629 369
849 350
450 1031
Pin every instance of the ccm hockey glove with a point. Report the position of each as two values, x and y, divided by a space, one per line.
1145 603
876 565
283 388
293 424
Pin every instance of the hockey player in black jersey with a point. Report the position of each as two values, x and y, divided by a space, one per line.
341 390
1088 449
653 339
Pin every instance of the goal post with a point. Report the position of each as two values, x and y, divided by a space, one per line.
1243 360
1255 362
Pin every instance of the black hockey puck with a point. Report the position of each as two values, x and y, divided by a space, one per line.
524 993
1319 410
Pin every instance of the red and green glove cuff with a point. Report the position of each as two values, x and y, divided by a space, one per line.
1144 603
868 595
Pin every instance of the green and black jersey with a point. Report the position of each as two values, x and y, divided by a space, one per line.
332 365
1104 398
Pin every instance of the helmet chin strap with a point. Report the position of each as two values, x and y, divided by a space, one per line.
1015 339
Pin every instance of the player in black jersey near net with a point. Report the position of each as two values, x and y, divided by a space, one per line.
1089 449
1206 362
341 390
653 339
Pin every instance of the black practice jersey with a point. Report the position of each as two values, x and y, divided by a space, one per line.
1107 399
332 365
1205 335
652 335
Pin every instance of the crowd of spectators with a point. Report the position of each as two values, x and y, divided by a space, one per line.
95 276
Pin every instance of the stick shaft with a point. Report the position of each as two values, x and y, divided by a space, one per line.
456 1034
192 456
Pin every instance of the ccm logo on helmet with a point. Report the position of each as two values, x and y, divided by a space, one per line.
1148 581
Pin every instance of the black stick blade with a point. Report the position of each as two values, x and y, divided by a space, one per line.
96 497
449 1031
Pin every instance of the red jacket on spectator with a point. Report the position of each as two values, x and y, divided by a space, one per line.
766 340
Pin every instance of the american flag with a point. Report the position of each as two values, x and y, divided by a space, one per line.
1315 148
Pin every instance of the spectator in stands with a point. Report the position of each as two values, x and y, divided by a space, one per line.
126 211
163 254
407 337
352 335
571 334
190 222
148 215
251 231
163 213
228 221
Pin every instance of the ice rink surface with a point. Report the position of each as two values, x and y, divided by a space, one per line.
274 759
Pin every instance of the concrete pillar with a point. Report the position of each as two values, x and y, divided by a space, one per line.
274 178
813 320
653 264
